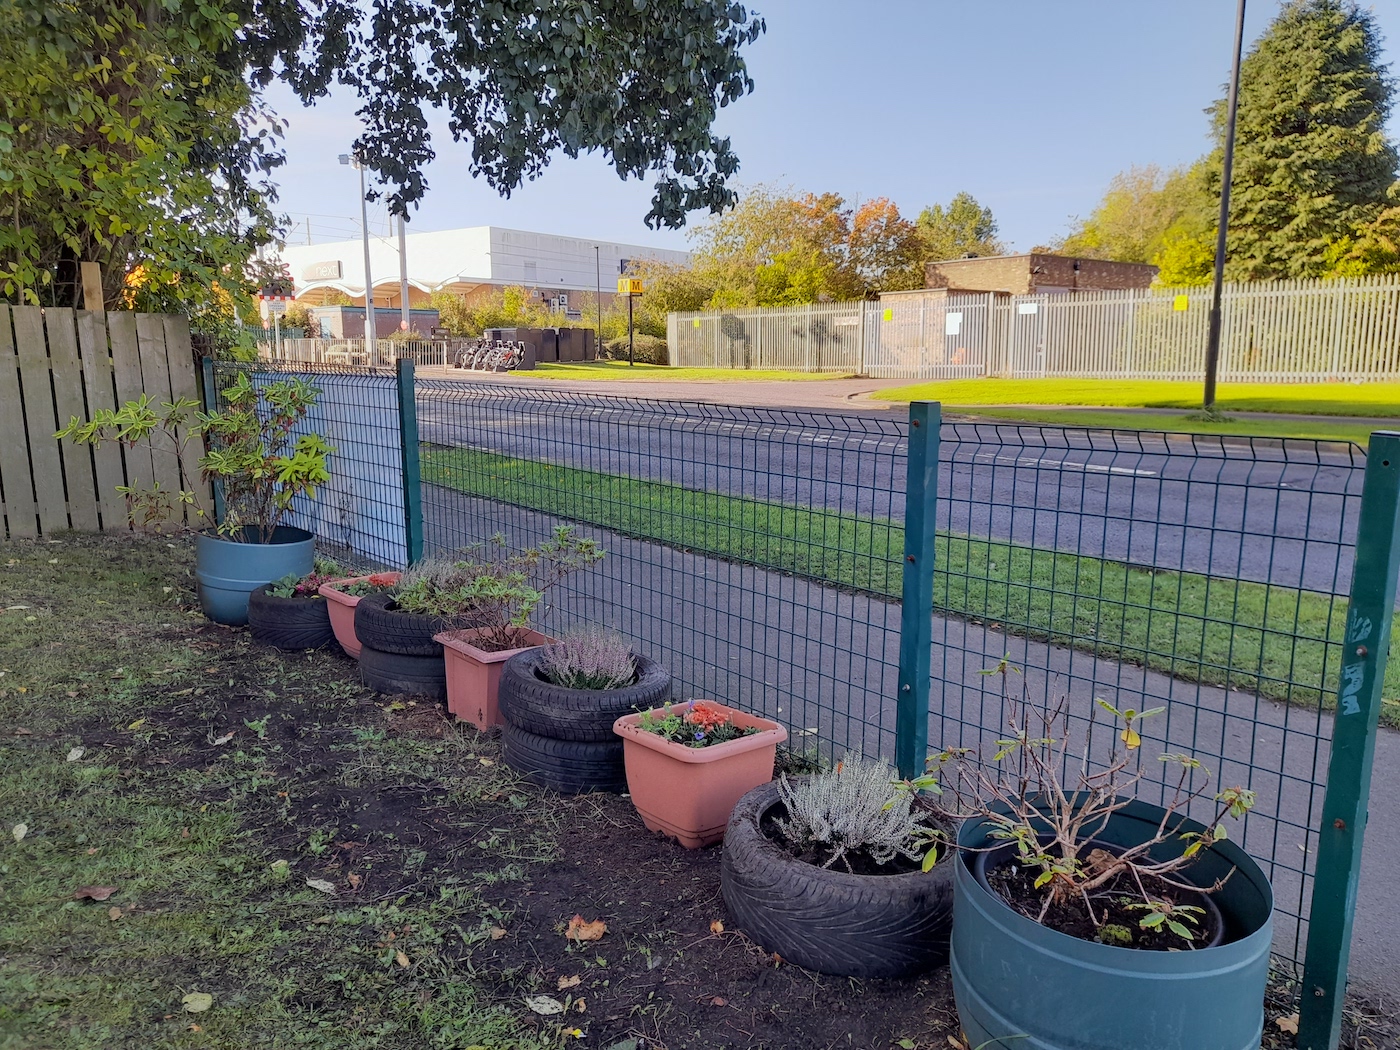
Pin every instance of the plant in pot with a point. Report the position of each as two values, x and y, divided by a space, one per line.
689 764
841 872
559 702
290 613
258 461
1073 899
342 595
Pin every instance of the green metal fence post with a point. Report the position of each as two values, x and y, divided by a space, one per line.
916 611
211 404
412 480
1366 645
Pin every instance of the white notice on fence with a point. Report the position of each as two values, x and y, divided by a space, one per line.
1028 308
952 324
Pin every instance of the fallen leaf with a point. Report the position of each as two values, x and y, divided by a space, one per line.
569 982
1288 1024
906 1044
401 958
21 731
97 893
184 833
138 723
219 741
114 913
955 1041
719 1000
75 754
321 884
544 1005
195 1028
497 933
581 1005
71 694
582 930
354 881
197 1002
19 831
92 851
716 927
487 762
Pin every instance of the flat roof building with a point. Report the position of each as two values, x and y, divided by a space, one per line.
1037 273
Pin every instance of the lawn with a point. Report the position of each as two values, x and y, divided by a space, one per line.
1378 400
1273 640
207 783
666 373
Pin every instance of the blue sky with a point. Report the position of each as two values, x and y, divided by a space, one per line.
1031 107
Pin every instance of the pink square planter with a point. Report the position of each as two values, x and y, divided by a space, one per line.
689 793
341 606
474 675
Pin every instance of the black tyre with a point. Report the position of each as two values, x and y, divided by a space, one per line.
289 623
832 921
529 702
569 767
397 673
390 630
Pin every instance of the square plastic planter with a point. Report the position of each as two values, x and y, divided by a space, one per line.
689 793
474 675
341 606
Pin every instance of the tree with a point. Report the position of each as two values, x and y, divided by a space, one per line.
1375 248
1312 162
886 252
1137 212
963 228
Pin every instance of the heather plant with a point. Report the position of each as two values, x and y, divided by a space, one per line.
590 658
856 807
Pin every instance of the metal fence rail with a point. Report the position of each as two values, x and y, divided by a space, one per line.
1287 331
357 353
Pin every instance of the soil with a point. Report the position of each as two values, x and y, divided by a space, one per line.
856 862
1113 907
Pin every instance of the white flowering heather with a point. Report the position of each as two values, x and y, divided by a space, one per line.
590 658
852 808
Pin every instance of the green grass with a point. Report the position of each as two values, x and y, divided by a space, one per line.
1274 640
1191 423
1320 399
666 373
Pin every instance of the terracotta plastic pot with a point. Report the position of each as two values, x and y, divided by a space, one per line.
341 606
688 793
474 675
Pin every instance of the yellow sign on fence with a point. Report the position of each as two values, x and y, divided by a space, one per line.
1180 302
629 286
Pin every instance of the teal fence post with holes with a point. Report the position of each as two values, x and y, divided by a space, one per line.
1366 644
916 603
211 404
412 479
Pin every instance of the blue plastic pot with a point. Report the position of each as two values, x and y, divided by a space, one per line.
227 571
1021 985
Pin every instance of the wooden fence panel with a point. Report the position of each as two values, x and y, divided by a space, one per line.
59 325
155 381
126 369
16 481
44 458
179 355
97 386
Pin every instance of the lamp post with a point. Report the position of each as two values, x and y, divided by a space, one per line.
371 331
598 296
1213 338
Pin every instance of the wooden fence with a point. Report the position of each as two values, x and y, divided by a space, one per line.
60 363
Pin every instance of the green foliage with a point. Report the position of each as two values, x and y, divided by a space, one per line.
647 349
510 307
1373 248
695 723
963 228
129 137
308 586
1142 211
1312 160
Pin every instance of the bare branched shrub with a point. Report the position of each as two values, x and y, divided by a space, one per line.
590 658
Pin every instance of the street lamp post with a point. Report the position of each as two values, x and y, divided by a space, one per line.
371 330
598 296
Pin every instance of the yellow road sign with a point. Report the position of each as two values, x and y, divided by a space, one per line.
629 286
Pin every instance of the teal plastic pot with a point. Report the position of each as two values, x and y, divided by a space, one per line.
227 571
1023 986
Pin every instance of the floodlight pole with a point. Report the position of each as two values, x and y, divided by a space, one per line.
404 318
1222 227
371 332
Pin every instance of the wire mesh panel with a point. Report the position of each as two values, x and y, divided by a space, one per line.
1204 575
361 509
756 553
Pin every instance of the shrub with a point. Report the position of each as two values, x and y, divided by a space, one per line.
855 808
650 350
590 658
308 586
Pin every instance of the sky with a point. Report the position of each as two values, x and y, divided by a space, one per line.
1031 107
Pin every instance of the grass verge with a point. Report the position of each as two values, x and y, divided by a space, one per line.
1192 423
1317 399
1278 641
666 373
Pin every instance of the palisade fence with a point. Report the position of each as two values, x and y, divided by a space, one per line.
359 353
1288 331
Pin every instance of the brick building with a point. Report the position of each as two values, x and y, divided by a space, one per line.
1036 273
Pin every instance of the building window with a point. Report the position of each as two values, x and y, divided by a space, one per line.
531 275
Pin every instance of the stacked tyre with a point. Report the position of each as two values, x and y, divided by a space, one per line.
397 651
288 623
563 738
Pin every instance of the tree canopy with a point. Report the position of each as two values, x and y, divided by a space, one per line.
963 228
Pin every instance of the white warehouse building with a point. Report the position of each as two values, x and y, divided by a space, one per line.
469 262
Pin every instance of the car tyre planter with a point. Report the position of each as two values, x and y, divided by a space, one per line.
397 673
569 767
689 793
529 701
228 571
1014 978
832 921
341 607
474 674
390 630
288 623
